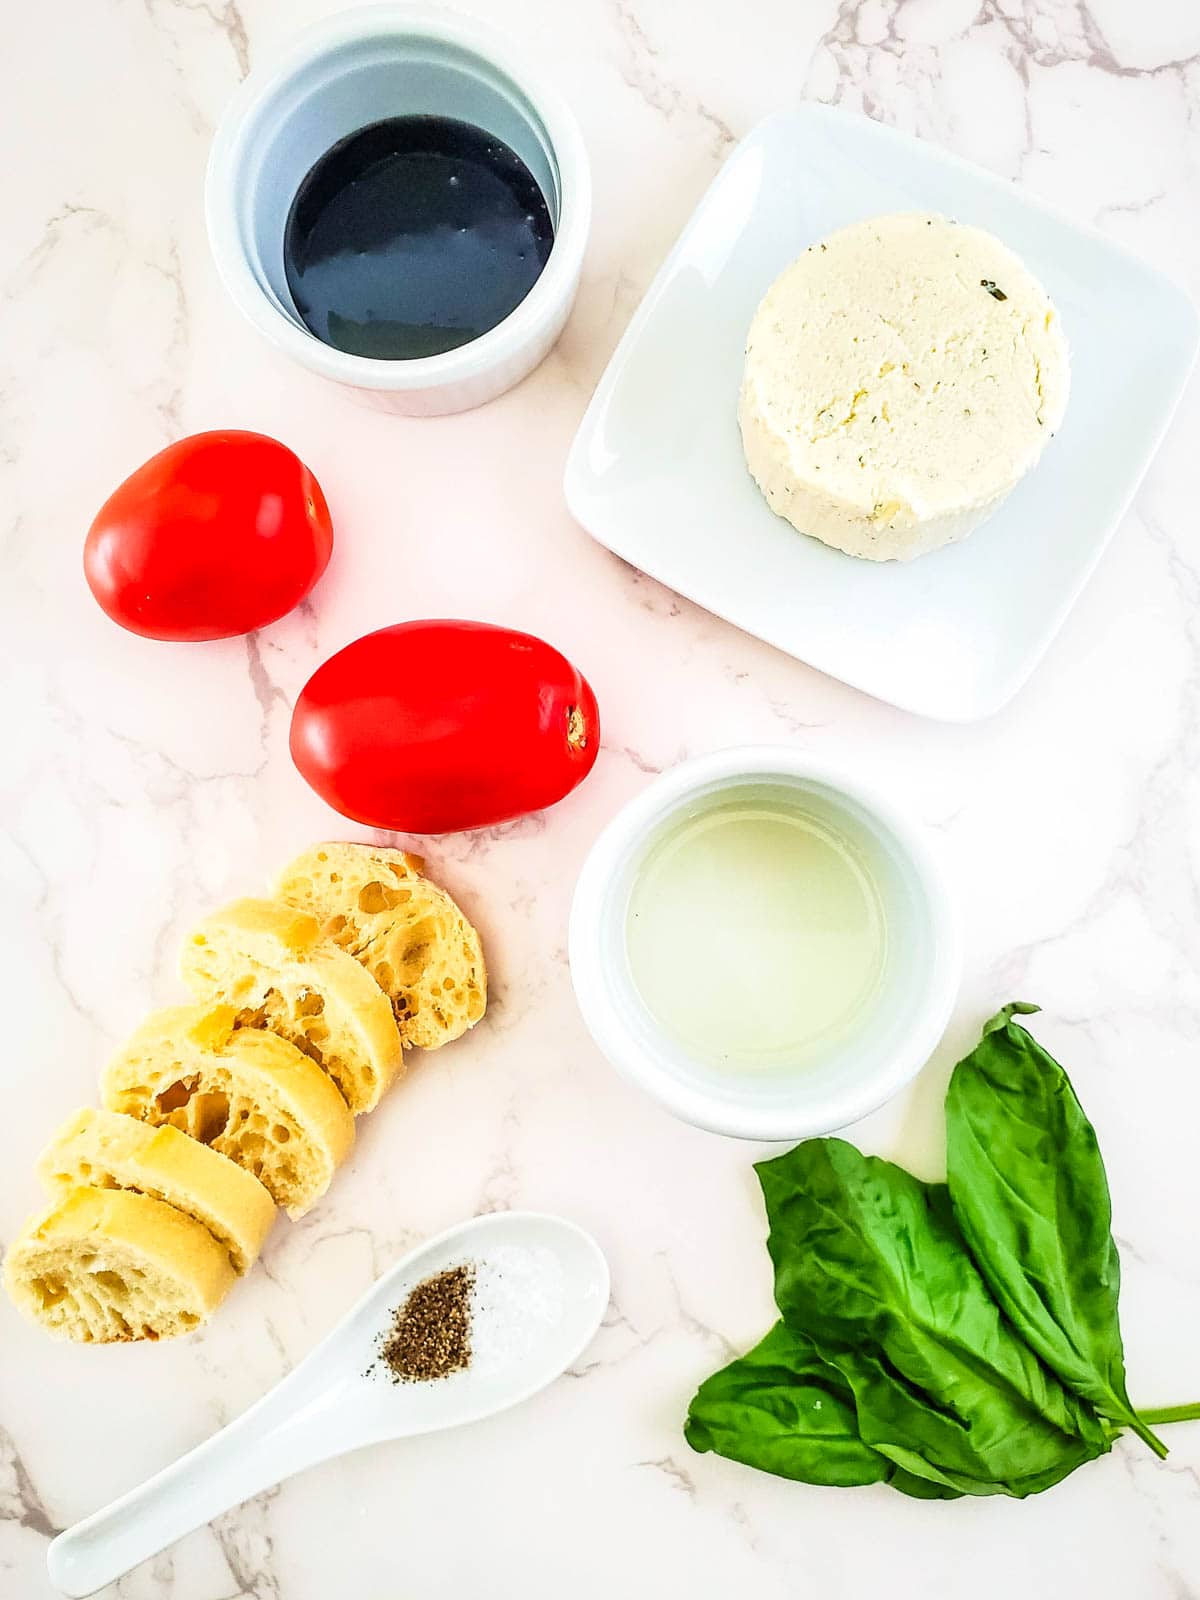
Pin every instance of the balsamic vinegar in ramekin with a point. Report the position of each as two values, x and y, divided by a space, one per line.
413 236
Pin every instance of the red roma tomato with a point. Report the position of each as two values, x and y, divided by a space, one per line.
216 535
432 727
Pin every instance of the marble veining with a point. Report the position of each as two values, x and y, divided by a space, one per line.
142 784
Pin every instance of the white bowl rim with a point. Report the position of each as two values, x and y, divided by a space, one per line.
524 324
689 1099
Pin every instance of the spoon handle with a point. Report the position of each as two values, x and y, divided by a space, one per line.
257 1450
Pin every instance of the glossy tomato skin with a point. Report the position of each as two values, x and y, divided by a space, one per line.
434 727
216 535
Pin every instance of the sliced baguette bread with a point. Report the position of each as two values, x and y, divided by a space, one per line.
108 1264
106 1150
270 962
409 934
248 1093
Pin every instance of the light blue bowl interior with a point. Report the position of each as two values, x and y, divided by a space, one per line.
350 86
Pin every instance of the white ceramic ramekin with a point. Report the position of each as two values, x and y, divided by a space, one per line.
341 75
903 1023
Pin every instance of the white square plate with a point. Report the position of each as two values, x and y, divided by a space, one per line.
656 471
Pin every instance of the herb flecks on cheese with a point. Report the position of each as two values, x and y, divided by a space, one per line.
901 378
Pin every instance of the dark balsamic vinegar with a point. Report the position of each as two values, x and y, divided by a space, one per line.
413 236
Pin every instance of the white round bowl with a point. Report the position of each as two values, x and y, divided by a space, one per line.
853 1075
341 75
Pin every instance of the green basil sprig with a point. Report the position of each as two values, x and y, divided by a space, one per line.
945 1339
870 1265
1031 1197
783 1409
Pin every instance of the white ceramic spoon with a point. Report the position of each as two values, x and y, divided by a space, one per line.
331 1403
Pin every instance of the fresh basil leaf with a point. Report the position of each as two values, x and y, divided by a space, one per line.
892 1414
921 1488
782 1409
870 1265
1030 1194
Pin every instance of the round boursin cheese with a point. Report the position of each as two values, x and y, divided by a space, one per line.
901 378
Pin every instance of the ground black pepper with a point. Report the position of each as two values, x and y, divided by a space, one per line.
430 1335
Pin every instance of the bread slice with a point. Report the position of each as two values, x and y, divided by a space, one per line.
270 962
106 1150
108 1264
409 934
248 1093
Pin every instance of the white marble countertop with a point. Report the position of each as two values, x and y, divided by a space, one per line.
142 784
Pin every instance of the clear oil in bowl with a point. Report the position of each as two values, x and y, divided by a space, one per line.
755 932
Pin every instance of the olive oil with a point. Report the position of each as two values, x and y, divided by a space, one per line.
413 236
755 933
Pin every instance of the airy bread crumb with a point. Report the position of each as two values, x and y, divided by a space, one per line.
108 1150
249 1094
412 938
107 1265
272 964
